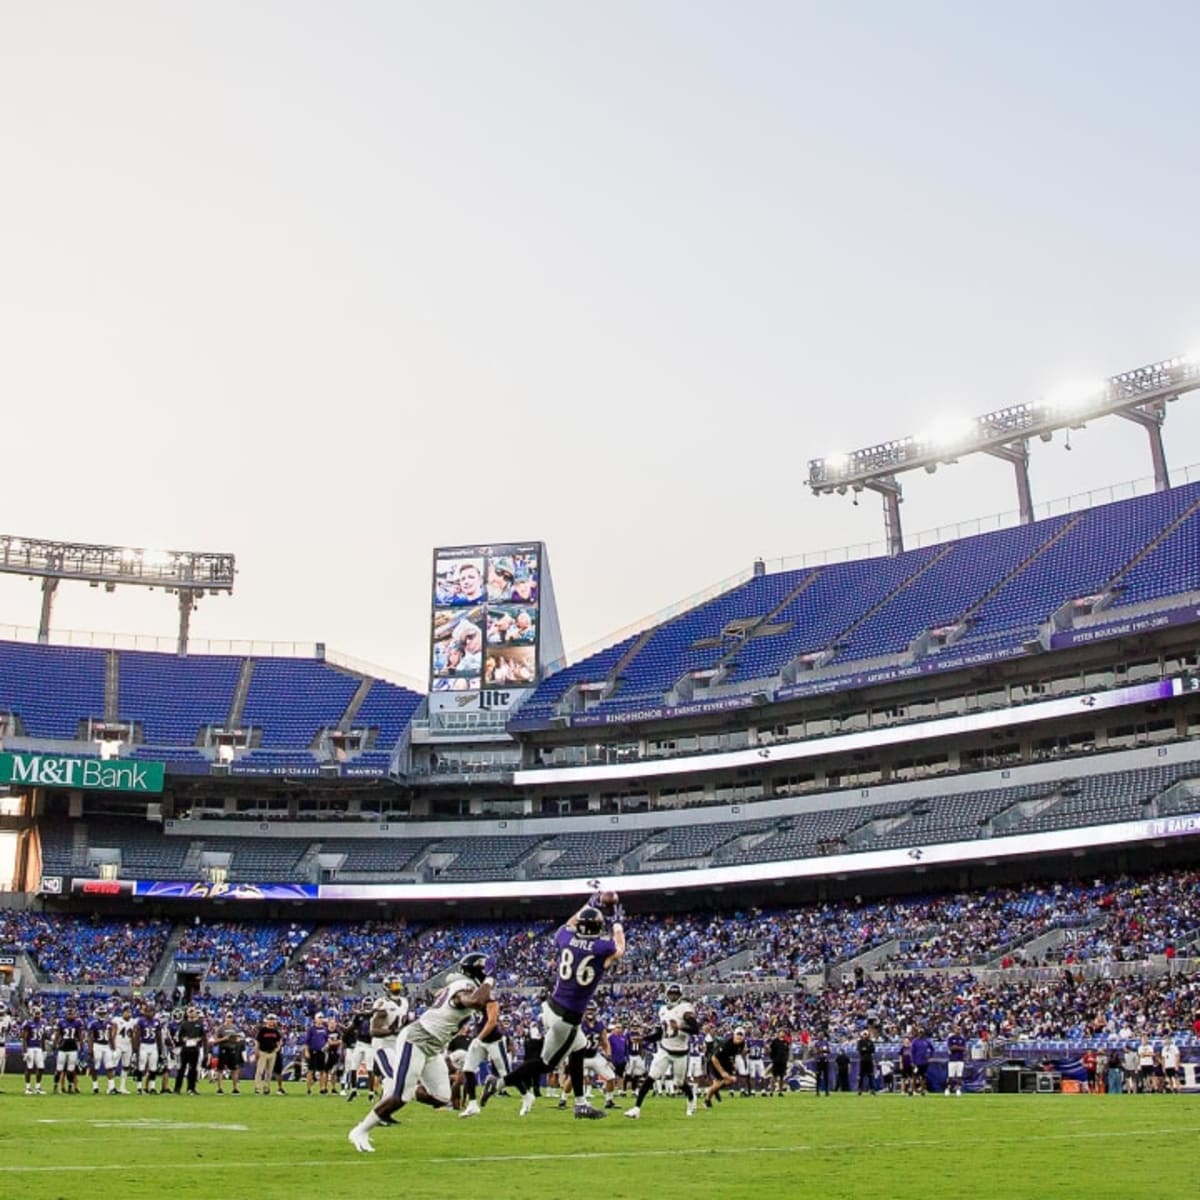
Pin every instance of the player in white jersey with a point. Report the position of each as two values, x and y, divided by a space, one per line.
677 1021
413 1065
122 1045
6 1027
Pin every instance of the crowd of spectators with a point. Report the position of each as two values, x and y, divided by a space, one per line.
1122 919
240 951
86 950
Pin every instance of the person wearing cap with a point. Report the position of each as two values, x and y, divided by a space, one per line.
724 1062
192 1044
267 1040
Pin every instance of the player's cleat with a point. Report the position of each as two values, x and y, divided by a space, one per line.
526 1104
28 1090
472 1110
360 1142
610 1104
562 1102
691 1108
351 1096
489 1090
633 1113
707 1102
585 1112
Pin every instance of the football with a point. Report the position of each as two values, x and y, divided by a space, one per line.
608 898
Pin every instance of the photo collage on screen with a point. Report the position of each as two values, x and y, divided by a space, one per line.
485 619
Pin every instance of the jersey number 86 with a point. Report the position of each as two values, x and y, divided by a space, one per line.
581 970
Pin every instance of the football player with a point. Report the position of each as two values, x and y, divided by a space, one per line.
596 1064
723 1065
34 1034
121 1040
6 1024
584 954
677 1022
100 1052
148 1041
68 1041
414 1063
488 1045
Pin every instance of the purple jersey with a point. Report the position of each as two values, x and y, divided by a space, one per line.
592 1030
35 1034
70 1033
956 1047
922 1051
580 968
100 1029
616 1044
316 1037
149 1031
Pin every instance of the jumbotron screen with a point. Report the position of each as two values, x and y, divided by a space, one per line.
486 605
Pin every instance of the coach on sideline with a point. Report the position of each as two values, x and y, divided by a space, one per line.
267 1040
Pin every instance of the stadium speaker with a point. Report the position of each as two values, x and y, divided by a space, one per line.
560 722
761 697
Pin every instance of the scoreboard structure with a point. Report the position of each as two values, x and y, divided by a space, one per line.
493 626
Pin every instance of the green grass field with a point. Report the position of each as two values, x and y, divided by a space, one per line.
885 1146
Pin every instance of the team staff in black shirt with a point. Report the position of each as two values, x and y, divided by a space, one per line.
193 1042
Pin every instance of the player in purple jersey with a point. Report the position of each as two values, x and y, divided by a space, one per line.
956 1053
35 1033
100 1052
68 1042
148 1042
583 954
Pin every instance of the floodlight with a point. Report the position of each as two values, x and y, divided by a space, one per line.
155 558
836 462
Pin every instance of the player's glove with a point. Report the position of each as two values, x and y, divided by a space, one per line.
618 912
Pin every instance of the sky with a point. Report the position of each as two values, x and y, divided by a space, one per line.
330 285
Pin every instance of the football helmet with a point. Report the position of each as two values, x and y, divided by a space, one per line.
474 966
393 987
674 993
590 922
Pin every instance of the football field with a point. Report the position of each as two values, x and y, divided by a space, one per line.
884 1146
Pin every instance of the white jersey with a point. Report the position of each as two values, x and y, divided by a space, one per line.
672 1016
397 1013
436 1027
122 1032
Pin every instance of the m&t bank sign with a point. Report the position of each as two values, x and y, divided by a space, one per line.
47 770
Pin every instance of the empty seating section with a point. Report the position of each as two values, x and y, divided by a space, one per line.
57 842
1097 547
667 654
379 855
146 853
587 854
292 699
51 688
265 859
1032 570
1173 566
698 841
388 709
174 697
482 858
594 669
1097 799
938 597
822 613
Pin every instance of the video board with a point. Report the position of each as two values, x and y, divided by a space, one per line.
486 617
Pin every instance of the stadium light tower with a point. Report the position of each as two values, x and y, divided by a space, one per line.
185 573
1140 396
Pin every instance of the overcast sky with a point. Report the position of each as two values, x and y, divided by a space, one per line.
327 285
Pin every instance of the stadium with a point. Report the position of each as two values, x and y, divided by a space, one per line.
946 796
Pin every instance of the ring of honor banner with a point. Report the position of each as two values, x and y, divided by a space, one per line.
493 623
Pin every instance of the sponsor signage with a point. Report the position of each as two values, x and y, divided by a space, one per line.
106 775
